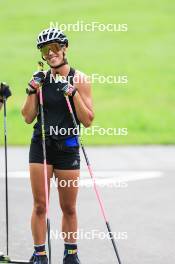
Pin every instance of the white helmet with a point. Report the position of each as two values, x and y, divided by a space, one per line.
51 35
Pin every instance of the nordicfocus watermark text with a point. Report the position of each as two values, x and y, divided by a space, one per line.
89 183
89 131
89 235
93 78
93 26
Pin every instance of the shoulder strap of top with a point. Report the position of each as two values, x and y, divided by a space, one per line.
71 75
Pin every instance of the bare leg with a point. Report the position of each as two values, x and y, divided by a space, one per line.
38 220
68 197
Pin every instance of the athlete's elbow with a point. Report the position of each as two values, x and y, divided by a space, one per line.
87 124
28 120
89 120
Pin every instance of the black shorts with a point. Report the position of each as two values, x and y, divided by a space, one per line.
58 154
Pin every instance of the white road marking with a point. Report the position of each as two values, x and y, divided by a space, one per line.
103 178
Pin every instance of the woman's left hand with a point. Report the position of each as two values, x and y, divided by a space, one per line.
68 89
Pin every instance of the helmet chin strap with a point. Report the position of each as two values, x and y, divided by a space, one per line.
60 65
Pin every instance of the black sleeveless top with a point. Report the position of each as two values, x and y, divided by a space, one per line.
56 113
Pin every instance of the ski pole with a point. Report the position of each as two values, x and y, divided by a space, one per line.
6 176
94 182
40 67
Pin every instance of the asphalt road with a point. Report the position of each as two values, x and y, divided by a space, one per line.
140 207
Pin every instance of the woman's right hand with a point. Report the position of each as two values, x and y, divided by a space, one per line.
37 81
30 107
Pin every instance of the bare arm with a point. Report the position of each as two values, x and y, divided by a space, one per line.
30 108
83 102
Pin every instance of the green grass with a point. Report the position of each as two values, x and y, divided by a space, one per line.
145 53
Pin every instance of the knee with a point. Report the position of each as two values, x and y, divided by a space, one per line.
68 209
40 209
